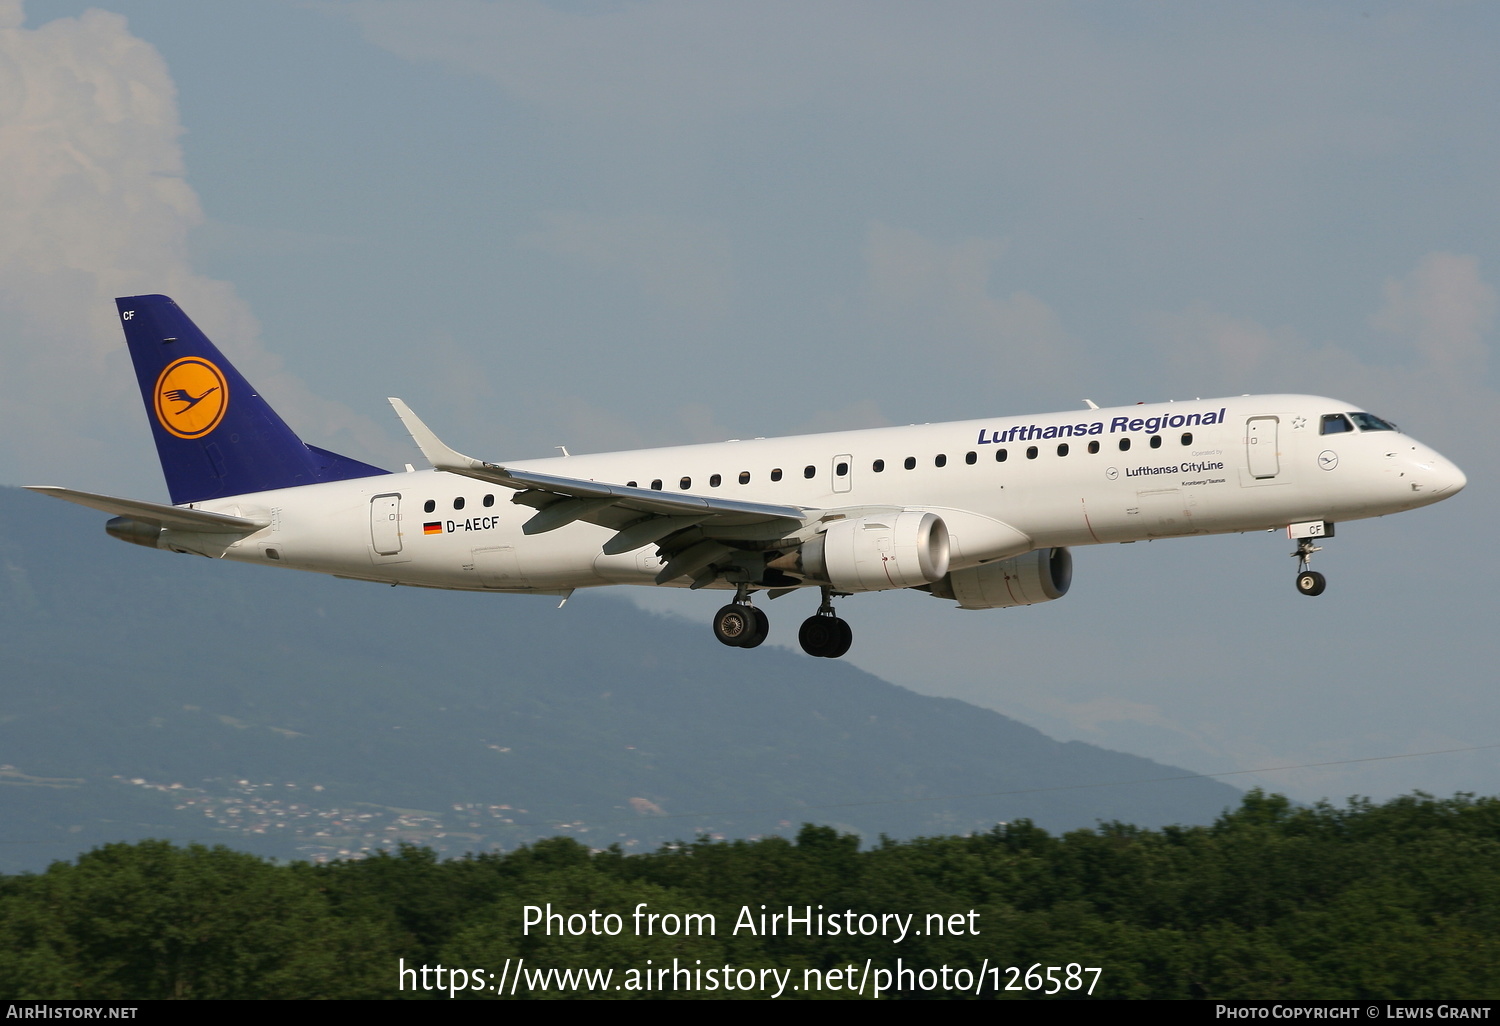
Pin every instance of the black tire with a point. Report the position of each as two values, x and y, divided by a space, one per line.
826 637
761 631
1310 582
817 635
733 624
844 638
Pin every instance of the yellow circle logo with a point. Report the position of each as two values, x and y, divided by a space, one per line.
191 397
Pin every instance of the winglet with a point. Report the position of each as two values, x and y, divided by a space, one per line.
440 455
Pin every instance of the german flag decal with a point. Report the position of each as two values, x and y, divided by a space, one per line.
435 527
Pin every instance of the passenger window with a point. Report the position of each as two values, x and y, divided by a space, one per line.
1094 446
656 485
1062 448
489 500
1000 455
776 474
911 463
971 458
715 481
1335 423
1031 452
429 506
842 470
630 484
1187 438
809 472
744 477
686 483
458 503
940 460
1124 445
1156 441
878 466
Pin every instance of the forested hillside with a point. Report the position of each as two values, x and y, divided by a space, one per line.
1400 900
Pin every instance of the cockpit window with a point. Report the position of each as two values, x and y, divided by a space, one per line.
1370 422
1334 423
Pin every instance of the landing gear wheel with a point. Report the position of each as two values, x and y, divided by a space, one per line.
735 624
814 634
1310 582
826 637
762 628
844 638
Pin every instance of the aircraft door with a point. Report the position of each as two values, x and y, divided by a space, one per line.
1260 447
385 524
843 473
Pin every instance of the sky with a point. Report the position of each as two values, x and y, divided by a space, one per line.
609 225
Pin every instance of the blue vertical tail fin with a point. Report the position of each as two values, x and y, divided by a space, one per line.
214 433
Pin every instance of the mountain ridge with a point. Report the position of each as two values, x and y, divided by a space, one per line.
280 704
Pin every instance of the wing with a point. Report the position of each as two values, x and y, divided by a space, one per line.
175 517
694 532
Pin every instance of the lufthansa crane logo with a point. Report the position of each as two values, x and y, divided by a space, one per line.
191 397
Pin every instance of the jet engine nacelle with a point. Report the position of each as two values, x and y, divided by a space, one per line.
879 552
1041 575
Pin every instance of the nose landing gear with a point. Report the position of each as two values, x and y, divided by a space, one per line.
1309 581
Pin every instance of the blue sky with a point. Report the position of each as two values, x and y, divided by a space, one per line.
617 224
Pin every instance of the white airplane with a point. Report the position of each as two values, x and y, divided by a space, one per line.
980 512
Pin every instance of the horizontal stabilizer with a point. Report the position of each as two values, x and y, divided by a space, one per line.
174 517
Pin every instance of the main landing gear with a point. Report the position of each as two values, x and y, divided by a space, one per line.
824 634
741 625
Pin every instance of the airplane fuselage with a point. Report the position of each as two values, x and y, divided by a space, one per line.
1002 487
980 512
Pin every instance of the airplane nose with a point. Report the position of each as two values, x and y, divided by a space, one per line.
1428 475
1441 477
1450 480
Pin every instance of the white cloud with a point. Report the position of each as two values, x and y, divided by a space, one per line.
1213 353
93 205
656 62
1442 311
686 267
938 299
1443 308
